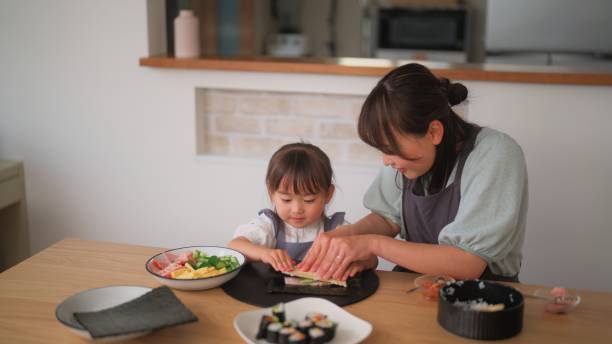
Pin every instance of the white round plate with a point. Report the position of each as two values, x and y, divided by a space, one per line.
95 300
351 329
197 283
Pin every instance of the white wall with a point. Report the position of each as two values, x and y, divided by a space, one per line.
565 134
109 147
549 25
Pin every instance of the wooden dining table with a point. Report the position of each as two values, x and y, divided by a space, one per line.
31 290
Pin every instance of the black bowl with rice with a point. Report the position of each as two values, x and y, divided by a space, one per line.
480 309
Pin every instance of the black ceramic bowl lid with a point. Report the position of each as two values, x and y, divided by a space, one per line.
458 318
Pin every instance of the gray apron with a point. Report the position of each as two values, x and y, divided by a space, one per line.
425 216
298 250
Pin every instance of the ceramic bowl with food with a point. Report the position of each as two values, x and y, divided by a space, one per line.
430 285
195 267
481 309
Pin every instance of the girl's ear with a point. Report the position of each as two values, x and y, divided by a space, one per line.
330 193
436 131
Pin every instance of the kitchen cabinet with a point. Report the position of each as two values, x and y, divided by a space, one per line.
14 236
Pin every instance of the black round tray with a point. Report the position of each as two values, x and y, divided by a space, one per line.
474 324
251 286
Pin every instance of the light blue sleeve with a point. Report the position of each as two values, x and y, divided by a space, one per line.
490 221
384 196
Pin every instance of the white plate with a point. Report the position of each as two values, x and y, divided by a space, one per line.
95 300
351 329
197 283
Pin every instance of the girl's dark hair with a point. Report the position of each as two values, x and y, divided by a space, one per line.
405 101
302 167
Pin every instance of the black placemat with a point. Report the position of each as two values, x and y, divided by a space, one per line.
156 309
251 286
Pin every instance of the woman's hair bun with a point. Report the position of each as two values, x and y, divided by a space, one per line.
455 91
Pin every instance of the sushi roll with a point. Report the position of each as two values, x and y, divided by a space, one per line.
315 316
290 323
279 312
298 338
272 333
263 325
304 326
284 334
328 327
317 336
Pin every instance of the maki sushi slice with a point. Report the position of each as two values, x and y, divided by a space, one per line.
304 326
315 316
290 323
298 338
263 325
279 311
273 332
284 334
317 336
328 327
314 329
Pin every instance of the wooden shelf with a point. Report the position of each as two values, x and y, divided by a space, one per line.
379 67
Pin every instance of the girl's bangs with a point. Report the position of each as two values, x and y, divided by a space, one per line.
298 169
299 182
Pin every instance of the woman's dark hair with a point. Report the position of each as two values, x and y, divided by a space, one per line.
406 101
302 167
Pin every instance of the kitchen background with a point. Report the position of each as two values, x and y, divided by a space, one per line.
115 152
526 32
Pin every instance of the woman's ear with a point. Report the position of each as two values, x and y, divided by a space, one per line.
330 193
436 132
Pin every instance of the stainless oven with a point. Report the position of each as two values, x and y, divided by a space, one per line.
424 29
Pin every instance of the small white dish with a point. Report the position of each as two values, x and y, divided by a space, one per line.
95 300
351 329
559 300
197 283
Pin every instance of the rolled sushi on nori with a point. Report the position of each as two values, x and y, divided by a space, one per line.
315 329
290 323
315 316
279 311
317 336
298 338
263 325
328 327
304 326
273 331
284 334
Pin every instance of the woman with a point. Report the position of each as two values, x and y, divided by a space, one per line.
455 193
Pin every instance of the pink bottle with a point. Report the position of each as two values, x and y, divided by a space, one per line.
186 35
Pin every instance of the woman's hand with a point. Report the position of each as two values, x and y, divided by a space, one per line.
318 250
353 269
279 259
340 253
319 247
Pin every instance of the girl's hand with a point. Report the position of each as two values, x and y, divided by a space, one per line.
340 253
279 259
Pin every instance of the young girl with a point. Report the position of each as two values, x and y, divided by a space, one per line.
299 183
